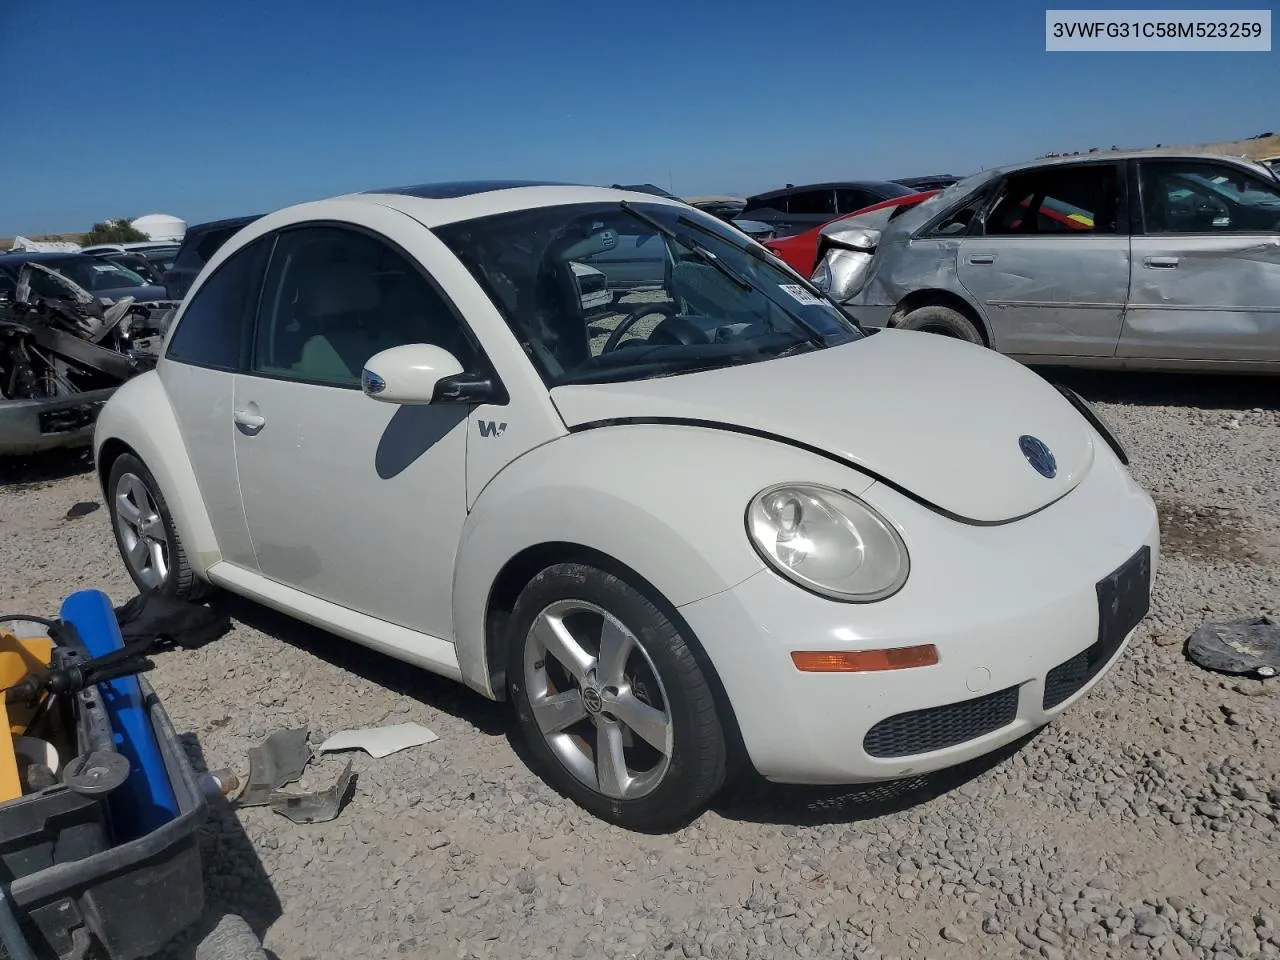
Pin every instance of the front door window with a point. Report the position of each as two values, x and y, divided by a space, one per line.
334 297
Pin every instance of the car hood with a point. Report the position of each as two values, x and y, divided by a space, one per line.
938 419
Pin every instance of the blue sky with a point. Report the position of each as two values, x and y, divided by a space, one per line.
206 110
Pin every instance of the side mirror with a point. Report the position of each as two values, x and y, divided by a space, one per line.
408 374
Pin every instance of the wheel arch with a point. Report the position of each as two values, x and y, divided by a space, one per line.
525 565
139 420
933 296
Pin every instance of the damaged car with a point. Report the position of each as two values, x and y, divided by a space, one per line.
673 546
63 352
857 232
1143 260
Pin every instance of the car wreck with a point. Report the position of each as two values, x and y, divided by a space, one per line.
63 352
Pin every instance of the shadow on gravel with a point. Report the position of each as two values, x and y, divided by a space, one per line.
1209 391
39 470
452 697
235 880
755 800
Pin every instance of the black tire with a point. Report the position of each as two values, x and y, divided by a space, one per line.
230 939
697 763
180 582
946 321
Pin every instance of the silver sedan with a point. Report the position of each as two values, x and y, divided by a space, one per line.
1138 260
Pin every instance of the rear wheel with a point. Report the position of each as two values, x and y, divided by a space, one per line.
939 319
149 543
611 700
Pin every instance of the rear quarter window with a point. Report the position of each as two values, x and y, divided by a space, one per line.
213 330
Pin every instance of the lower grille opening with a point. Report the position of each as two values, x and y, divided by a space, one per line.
936 728
1123 600
1069 676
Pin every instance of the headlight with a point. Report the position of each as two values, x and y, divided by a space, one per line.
827 542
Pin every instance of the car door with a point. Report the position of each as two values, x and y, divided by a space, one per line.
209 343
356 502
1206 264
1050 264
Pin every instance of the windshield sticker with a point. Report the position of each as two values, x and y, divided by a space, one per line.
800 294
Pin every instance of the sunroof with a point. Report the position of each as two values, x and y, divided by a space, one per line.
463 188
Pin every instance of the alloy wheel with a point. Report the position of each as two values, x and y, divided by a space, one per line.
598 700
141 531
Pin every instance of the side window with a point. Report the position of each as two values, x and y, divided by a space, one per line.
756 204
333 297
209 244
1181 196
850 201
813 202
211 331
900 209
956 223
1057 201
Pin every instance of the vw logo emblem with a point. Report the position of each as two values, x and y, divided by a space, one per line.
592 700
1038 455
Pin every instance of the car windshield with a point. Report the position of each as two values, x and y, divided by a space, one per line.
620 291
95 273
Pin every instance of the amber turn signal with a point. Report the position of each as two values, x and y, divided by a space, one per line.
863 661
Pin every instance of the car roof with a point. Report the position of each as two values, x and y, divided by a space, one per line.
452 189
220 224
1116 156
40 256
436 204
830 185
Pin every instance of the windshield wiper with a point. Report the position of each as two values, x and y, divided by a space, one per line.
760 253
706 256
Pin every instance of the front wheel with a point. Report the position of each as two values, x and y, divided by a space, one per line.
145 533
611 700
939 319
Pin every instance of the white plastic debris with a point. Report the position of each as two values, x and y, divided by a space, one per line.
379 742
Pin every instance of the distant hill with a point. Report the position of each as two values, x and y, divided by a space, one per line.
1262 147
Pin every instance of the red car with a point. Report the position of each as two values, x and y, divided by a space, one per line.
800 252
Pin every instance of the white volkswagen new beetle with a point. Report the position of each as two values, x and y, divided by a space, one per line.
723 522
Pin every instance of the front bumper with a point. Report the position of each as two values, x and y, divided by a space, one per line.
1010 609
34 426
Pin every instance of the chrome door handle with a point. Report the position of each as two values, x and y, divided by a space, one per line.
1163 263
250 421
983 258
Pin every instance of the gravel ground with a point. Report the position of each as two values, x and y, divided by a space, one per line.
1144 823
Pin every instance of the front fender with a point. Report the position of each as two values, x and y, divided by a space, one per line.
140 416
667 501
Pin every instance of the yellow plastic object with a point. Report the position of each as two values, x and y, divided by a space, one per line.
19 656
10 782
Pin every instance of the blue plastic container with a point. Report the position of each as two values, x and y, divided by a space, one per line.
145 800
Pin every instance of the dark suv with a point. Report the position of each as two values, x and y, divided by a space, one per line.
795 209
199 244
